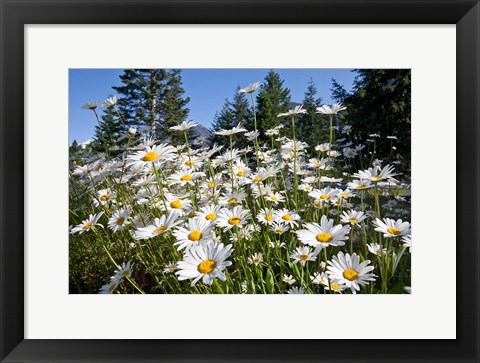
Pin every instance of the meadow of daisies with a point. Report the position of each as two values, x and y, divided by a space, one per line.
281 217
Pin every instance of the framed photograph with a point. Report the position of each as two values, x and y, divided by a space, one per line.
189 166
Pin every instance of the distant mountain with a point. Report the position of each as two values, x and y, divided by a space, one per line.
201 132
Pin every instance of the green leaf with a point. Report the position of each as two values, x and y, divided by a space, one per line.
270 282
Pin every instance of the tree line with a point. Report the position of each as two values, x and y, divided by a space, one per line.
153 100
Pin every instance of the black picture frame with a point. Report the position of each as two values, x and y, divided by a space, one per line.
15 14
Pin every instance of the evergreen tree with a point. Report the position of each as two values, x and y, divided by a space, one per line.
242 110
238 111
153 98
380 103
311 125
110 134
272 99
173 107
140 95
223 120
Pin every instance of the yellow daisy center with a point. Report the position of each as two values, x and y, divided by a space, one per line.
191 214
150 156
317 204
240 173
211 185
324 197
353 220
112 287
234 220
361 186
87 225
303 257
104 197
343 195
287 217
171 268
375 177
195 235
268 218
207 266
324 237
279 230
211 216
160 229
273 197
120 221
257 179
335 286
393 230
186 178
232 200
350 274
188 163
176 204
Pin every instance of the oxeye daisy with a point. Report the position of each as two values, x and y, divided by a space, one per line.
190 162
213 183
267 216
353 217
320 278
296 290
209 212
335 287
124 270
376 174
184 177
287 217
160 226
119 220
205 262
109 288
250 88
360 185
324 194
155 155
275 198
376 249
184 126
104 196
87 224
322 147
331 110
170 267
304 254
255 259
347 270
349 153
289 279
392 228
176 203
195 232
323 234
279 228
233 199
297 110
90 105
232 131
110 102
407 242
237 217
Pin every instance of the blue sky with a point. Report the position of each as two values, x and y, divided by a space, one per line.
207 89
